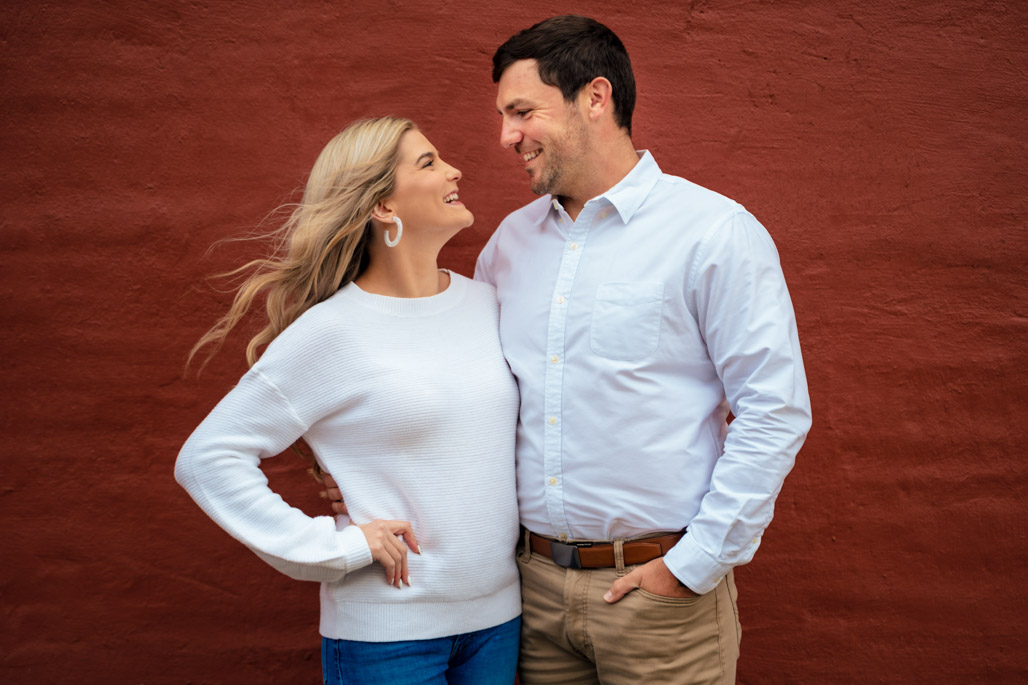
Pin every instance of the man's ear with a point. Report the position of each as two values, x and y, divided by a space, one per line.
597 96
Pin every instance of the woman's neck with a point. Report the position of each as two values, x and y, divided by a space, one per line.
400 275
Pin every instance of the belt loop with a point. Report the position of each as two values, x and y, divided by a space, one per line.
619 556
527 543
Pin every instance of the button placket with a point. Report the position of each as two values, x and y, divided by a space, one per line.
552 432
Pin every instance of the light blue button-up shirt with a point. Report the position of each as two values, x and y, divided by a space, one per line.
633 331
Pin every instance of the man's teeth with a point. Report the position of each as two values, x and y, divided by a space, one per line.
529 156
452 197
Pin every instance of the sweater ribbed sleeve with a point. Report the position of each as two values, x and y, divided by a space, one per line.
219 467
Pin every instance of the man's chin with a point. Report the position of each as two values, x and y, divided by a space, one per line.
538 187
536 184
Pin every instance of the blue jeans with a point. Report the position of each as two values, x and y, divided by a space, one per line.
483 657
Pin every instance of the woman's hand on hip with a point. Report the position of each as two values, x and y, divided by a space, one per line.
387 548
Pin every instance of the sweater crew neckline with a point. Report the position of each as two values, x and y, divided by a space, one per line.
410 306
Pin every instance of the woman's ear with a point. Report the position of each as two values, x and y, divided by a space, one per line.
383 212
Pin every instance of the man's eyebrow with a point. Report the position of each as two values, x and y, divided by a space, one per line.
516 103
430 155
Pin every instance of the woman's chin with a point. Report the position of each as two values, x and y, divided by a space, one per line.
467 220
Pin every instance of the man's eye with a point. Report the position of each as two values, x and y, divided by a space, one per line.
522 112
428 164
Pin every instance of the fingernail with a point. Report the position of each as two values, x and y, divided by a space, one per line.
408 581
609 596
419 549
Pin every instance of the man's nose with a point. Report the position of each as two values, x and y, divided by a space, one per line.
509 135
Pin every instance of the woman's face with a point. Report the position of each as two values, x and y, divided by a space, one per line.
425 196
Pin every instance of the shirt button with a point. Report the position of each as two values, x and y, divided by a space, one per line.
574 246
552 481
554 359
563 537
603 214
553 420
560 299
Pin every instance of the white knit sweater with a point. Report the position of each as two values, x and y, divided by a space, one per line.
411 406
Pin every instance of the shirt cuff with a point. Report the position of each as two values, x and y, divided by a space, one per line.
355 549
696 569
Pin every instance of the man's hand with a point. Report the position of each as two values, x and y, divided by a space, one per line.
332 494
654 577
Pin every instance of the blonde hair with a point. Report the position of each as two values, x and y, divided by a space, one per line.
323 244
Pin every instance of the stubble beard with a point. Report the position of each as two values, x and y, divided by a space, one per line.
562 155
549 180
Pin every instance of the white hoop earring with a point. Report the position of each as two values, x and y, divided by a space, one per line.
399 233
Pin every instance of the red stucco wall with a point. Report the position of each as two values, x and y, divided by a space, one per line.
882 144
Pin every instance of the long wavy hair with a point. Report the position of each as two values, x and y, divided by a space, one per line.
323 244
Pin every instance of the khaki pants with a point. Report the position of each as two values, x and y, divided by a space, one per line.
569 634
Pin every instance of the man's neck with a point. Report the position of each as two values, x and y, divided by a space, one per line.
608 165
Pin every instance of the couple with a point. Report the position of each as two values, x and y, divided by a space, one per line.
635 311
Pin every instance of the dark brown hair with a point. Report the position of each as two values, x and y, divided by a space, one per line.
571 51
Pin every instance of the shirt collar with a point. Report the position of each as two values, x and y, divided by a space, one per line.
630 192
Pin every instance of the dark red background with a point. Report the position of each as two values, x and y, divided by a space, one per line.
882 144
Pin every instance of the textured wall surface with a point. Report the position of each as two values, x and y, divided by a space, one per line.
878 142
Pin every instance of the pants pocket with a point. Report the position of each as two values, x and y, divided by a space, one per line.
673 601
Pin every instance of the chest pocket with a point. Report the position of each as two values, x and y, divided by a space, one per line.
626 320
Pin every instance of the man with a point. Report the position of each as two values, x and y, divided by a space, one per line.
637 311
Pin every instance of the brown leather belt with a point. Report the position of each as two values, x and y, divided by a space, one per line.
601 554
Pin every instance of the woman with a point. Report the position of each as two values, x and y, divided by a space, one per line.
391 371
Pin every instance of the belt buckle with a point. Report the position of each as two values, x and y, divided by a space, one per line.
566 555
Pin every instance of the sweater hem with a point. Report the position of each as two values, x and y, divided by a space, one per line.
417 620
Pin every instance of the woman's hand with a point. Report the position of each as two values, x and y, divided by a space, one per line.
383 536
387 549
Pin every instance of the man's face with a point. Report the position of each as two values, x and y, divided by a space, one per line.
548 135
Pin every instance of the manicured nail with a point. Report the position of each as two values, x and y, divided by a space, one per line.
609 596
419 549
